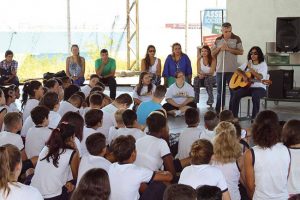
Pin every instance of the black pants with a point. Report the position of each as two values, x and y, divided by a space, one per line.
237 95
169 107
112 84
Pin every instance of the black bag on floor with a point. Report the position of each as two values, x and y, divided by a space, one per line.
50 75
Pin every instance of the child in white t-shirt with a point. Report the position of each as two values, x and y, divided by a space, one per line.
210 122
124 176
35 91
120 124
11 165
95 101
93 120
73 104
39 134
132 127
94 79
3 108
96 147
54 163
201 172
12 125
51 101
190 134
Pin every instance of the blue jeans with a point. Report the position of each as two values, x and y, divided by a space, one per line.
237 95
227 76
79 81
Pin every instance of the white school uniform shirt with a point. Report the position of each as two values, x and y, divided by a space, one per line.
271 166
179 95
36 139
19 191
260 68
135 132
150 152
30 104
294 176
231 173
108 119
198 175
144 95
13 107
186 138
89 161
86 133
111 134
65 107
125 180
49 179
86 90
53 117
11 138
208 135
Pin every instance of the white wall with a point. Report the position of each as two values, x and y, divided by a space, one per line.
255 22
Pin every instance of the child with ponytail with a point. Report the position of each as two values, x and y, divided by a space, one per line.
32 93
10 169
54 163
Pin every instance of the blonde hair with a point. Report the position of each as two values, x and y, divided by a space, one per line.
118 116
226 145
10 156
201 152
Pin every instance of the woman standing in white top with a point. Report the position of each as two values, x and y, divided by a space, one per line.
267 163
291 138
152 65
34 90
55 160
227 156
10 168
144 90
206 75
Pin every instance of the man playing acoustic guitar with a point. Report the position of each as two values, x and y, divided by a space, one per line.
248 81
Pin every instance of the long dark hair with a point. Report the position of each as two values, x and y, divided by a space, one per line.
94 185
10 156
260 54
78 56
57 142
76 120
28 90
209 56
147 57
139 86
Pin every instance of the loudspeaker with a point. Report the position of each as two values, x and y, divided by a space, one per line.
282 81
288 34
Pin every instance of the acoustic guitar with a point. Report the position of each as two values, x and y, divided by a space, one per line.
237 81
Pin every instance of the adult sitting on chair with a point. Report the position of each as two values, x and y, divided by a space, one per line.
252 74
105 68
180 96
8 70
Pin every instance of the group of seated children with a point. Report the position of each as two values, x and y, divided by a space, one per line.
79 144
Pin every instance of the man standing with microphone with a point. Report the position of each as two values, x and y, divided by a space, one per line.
225 49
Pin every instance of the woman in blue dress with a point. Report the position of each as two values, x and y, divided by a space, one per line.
75 66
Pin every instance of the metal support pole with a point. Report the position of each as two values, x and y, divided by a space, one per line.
69 24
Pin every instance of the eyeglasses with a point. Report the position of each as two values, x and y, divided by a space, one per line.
253 53
151 51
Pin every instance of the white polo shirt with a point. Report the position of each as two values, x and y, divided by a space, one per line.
89 161
135 132
11 138
144 94
150 152
198 175
86 133
125 180
30 104
65 107
36 139
19 191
